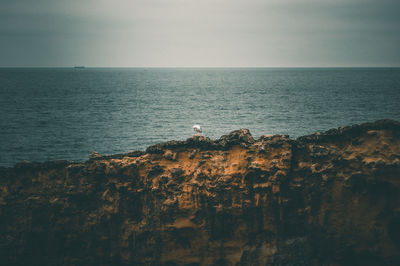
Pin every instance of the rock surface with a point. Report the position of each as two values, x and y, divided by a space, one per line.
330 198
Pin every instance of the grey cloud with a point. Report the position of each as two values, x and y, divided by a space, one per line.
199 33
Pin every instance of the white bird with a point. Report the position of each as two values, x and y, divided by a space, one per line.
197 129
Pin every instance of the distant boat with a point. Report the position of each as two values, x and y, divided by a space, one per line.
79 67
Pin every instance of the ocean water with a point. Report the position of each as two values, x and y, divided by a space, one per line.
62 113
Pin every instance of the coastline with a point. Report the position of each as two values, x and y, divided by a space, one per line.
327 198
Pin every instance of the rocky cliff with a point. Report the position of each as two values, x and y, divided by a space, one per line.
329 198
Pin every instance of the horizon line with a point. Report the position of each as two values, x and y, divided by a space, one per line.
199 66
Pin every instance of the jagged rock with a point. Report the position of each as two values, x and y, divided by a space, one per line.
95 155
169 155
200 142
331 198
237 137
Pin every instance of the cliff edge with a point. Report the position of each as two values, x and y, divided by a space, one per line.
330 198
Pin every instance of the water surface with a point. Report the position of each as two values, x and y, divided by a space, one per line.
48 114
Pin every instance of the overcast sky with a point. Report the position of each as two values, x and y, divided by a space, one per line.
200 33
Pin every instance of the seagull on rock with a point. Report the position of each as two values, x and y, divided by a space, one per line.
197 129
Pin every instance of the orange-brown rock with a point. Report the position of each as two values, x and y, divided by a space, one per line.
329 198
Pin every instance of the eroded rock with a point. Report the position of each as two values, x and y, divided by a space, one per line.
330 198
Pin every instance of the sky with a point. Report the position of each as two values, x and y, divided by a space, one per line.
200 33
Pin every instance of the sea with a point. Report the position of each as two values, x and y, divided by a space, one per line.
67 113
